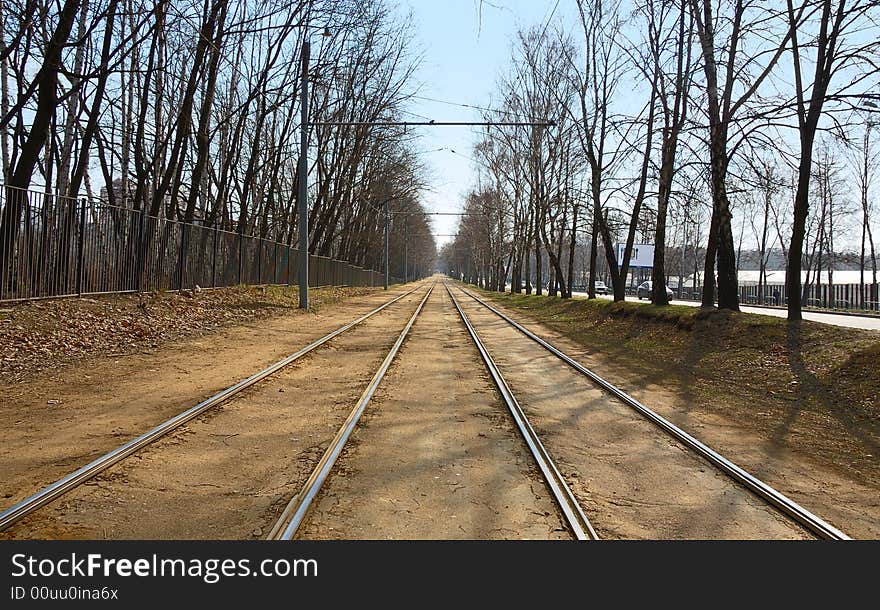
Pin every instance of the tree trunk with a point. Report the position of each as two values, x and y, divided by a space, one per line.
572 245
184 117
798 229
203 141
594 254
47 103
91 128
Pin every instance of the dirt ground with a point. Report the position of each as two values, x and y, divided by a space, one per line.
75 412
744 428
633 481
229 472
40 336
435 454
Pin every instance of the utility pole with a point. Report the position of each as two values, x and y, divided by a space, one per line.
405 252
386 243
303 181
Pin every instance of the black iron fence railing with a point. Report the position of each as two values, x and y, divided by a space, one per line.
820 296
825 296
858 297
54 246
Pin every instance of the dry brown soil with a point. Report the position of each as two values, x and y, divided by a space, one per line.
435 454
229 472
38 337
797 450
633 480
69 415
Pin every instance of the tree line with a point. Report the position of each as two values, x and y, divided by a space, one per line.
188 110
688 124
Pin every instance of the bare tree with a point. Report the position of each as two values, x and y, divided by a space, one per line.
865 159
603 68
831 30
45 84
729 86
766 187
672 44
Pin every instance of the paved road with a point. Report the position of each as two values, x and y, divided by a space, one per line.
863 322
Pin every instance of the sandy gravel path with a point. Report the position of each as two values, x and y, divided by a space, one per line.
436 454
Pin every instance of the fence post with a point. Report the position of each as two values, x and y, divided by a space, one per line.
181 259
80 254
288 262
214 261
259 260
240 246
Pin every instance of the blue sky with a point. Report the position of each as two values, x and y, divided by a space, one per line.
463 56
465 45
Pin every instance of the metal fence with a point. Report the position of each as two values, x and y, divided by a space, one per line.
53 246
834 296
819 296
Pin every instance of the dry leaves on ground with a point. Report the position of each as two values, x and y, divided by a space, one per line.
38 335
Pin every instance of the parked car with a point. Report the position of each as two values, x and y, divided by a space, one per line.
601 288
645 288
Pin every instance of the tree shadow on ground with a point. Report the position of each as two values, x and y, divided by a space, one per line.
813 394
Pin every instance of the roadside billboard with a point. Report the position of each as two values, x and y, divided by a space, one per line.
642 255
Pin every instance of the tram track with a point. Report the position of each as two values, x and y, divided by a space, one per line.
570 512
577 521
316 471
288 523
75 479
777 500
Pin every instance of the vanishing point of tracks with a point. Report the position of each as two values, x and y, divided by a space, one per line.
298 508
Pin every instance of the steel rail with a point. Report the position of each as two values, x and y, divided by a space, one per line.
79 476
294 513
574 515
764 491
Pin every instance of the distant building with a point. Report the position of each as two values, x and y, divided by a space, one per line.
121 198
